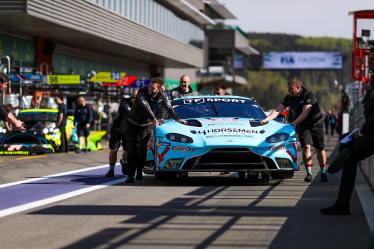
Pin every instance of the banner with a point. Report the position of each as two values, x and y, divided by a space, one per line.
64 79
239 61
124 81
26 77
108 77
302 60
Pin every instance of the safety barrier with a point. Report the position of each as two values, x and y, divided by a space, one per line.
356 121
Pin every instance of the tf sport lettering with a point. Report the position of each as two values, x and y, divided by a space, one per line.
213 100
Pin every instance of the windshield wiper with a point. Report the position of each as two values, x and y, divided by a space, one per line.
215 109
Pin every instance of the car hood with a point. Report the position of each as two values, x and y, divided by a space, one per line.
227 131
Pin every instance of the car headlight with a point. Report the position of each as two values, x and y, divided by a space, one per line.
45 130
179 138
276 138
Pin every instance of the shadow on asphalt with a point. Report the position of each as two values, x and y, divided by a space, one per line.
226 225
302 226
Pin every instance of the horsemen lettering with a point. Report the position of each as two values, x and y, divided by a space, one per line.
231 130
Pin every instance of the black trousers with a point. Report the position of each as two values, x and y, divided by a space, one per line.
332 129
64 140
361 149
137 139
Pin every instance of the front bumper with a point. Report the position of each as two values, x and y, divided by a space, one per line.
234 159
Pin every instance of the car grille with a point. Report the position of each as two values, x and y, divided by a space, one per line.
231 159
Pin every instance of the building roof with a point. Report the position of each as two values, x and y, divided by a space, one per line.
363 13
220 9
188 9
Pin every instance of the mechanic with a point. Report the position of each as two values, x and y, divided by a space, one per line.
82 119
118 136
9 109
307 117
220 90
359 148
8 116
61 123
143 117
184 88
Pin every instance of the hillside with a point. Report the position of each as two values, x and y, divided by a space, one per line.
269 87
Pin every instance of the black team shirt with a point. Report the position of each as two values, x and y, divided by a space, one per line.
3 113
296 104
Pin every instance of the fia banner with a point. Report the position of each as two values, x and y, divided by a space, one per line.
302 60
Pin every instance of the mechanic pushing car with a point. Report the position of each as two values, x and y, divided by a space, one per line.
307 117
143 117
118 136
184 88
82 118
8 116
61 123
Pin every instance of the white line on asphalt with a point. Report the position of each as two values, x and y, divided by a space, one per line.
51 176
50 200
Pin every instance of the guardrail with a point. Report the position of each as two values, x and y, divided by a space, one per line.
356 121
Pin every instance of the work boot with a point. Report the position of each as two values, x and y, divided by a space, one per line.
130 179
324 177
139 176
110 174
339 162
336 209
308 178
124 166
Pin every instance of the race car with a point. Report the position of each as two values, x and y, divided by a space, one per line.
222 134
42 135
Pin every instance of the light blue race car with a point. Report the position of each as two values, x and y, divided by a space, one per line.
222 134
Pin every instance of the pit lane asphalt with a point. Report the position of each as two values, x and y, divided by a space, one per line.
206 211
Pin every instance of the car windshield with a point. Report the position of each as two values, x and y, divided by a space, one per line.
38 117
217 107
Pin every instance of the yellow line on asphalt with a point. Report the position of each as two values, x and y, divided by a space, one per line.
29 157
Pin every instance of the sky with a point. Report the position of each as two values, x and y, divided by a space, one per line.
302 17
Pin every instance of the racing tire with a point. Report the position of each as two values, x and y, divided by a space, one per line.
161 175
241 175
182 176
252 178
282 175
265 177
